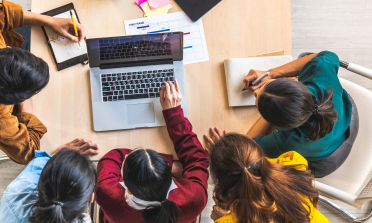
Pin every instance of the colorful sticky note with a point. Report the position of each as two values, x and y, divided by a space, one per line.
139 2
154 4
159 11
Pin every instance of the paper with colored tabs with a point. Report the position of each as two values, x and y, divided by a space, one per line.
154 4
159 11
139 2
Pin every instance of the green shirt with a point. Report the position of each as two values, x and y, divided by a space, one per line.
319 73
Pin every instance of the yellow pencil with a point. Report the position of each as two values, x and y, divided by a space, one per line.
73 22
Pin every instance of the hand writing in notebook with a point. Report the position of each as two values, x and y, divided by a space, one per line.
64 27
253 75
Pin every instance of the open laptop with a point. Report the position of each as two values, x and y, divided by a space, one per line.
126 75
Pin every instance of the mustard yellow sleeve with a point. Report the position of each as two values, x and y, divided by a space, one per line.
226 219
290 158
20 136
13 16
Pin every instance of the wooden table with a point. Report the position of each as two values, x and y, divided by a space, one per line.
234 28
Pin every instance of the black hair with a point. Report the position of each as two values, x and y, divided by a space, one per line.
288 104
65 188
148 176
22 75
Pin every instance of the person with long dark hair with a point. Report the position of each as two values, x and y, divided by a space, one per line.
313 116
53 188
250 187
137 185
23 75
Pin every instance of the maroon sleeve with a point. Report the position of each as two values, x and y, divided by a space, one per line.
109 192
190 153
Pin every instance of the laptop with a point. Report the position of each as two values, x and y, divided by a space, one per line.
126 75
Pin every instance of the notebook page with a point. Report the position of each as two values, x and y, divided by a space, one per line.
237 69
63 48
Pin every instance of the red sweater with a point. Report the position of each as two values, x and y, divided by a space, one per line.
191 194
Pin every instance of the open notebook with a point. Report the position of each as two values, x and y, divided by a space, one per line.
237 69
63 48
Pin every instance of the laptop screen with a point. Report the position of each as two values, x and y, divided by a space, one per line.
134 49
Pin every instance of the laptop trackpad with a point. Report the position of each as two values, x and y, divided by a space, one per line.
140 113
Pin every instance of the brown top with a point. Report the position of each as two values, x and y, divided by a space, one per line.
11 17
19 135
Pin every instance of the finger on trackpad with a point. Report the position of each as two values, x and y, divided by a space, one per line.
140 113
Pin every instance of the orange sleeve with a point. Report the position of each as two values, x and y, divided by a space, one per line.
13 16
20 135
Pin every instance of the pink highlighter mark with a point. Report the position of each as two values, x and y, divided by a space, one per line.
186 33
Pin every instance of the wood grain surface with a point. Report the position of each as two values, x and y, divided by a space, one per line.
234 28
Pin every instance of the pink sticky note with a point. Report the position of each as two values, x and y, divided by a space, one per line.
139 2
154 4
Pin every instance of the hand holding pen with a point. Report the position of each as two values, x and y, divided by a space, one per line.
253 78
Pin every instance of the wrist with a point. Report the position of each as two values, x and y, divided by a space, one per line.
274 73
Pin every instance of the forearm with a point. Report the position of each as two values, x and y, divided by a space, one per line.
35 19
260 127
291 69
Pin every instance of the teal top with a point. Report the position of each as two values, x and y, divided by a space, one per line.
318 74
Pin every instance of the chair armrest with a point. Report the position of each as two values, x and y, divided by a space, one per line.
338 194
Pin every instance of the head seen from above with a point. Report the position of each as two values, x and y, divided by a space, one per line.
22 75
254 189
65 188
288 104
147 175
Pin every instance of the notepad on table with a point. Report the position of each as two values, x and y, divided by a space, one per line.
237 69
63 48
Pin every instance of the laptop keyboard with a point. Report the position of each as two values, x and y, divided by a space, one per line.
115 49
134 85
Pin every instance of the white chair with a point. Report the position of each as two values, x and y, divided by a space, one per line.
346 181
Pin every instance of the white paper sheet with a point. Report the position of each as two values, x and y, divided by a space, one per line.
194 44
63 48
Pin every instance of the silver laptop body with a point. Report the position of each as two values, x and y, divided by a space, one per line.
126 76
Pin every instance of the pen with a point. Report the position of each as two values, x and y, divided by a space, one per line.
257 80
73 22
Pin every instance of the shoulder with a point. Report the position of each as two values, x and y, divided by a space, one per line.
226 219
290 158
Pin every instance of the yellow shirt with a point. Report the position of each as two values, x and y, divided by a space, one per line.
288 158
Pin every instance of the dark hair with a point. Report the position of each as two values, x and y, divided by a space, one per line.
288 104
22 75
148 176
65 188
256 190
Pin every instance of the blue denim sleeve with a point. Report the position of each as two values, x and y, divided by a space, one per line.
21 193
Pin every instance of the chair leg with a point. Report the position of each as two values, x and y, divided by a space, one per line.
344 213
4 157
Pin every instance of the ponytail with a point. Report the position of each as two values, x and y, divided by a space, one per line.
256 190
288 104
322 118
49 213
64 189
167 212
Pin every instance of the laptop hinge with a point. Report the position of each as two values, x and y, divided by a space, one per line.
136 63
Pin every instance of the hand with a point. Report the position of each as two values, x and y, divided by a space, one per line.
64 27
252 76
170 95
82 146
218 212
26 106
217 134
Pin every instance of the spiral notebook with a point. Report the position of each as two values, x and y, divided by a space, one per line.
65 52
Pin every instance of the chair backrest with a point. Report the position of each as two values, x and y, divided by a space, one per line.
354 171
